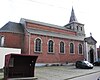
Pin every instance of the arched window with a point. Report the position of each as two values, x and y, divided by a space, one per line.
38 45
71 48
61 47
1 40
80 48
50 46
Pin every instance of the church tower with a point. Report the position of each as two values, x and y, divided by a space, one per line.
75 25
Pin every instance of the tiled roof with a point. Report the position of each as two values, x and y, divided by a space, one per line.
12 27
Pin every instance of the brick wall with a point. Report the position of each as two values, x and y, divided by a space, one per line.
12 40
45 57
51 29
26 43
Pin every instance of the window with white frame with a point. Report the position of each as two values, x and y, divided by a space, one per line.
71 48
80 49
38 45
1 40
61 47
50 46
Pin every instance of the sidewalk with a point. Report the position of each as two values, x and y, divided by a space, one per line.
62 72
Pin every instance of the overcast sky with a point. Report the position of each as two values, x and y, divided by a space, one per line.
54 12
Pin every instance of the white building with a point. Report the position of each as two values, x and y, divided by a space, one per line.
90 51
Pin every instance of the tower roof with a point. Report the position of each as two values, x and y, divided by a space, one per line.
72 17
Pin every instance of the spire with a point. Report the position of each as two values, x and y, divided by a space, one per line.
72 17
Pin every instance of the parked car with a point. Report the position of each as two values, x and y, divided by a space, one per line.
83 65
96 63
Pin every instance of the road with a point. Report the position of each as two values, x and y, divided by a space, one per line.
66 72
93 76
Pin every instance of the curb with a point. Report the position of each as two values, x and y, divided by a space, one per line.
82 75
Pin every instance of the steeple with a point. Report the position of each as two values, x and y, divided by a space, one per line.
75 25
72 17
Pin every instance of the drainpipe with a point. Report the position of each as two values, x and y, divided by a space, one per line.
29 42
24 22
28 35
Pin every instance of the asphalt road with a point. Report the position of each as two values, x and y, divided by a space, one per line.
65 73
93 76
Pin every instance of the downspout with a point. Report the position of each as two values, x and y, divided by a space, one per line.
29 42
29 34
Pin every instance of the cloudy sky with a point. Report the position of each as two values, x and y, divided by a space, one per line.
54 12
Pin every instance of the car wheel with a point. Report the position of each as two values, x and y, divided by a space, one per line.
77 66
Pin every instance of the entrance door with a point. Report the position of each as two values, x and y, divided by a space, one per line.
91 56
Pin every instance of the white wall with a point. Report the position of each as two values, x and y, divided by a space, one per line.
4 51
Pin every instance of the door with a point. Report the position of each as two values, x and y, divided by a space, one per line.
91 55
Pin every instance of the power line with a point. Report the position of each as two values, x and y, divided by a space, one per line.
46 4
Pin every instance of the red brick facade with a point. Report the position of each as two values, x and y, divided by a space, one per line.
24 34
26 43
51 29
12 40
44 56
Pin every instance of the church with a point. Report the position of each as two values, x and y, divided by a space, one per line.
51 43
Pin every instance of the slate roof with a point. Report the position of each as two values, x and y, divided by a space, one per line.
23 21
13 27
38 22
90 40
55 34
19 28
49 33
73 17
